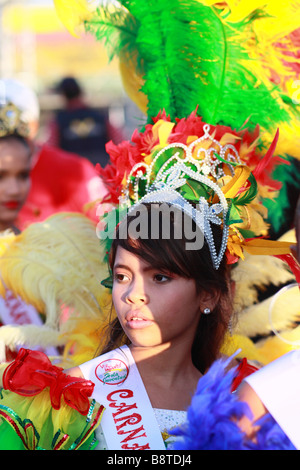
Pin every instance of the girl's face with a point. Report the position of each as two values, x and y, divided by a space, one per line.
153 307
14 179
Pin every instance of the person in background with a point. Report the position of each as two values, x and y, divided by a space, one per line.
79 127
15 163
60 181
15 170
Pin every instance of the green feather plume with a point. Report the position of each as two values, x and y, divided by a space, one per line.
190 58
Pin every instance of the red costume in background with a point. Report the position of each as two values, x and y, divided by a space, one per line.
60 182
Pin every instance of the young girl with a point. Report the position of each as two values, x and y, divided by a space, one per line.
173 309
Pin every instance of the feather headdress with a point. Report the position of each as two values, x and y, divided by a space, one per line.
221 58
216 58
236 62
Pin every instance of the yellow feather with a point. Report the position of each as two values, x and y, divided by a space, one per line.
73 13
262 352
255 319
257 272
280 17
274 346
6 239
133 83
83 337
233 343
268 44
57 264
28 336
253 216
289 139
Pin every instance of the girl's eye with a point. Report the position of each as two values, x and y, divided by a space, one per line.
161 278
119 277
24 175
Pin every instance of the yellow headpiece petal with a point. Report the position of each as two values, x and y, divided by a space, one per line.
241 175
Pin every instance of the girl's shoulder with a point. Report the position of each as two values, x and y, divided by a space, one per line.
74 372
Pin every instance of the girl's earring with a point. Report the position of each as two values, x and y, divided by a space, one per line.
206 311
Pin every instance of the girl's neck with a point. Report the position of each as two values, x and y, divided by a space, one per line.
170 378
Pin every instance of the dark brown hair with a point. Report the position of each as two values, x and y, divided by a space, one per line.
171 255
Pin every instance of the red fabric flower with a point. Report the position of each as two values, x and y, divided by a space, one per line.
32 372
122 158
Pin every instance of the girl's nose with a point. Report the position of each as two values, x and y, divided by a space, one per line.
136 294
13 187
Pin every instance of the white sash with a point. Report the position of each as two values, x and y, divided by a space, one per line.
14 311
128 421
278 386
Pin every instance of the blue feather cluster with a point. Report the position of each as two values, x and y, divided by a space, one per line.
213 414
270 436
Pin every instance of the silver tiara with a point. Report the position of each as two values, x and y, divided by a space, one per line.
206 167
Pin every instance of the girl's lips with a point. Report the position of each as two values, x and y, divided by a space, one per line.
11 204
136 320
138 324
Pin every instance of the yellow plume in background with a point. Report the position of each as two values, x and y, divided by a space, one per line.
253 331
6 239
279 16
56 264
57 267
133 82
274 54
73 13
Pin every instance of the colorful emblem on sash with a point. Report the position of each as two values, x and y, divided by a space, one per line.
112 371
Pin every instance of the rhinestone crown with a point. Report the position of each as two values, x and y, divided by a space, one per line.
187 163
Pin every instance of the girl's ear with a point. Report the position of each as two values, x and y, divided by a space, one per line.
209 300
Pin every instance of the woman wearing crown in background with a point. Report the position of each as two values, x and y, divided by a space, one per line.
15 168
15 164
172 306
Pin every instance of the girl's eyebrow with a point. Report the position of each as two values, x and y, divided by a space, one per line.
124 266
